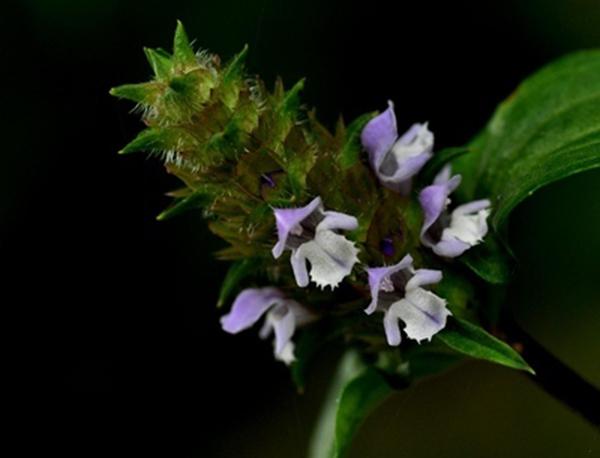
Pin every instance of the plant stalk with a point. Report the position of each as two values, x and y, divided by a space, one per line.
556 378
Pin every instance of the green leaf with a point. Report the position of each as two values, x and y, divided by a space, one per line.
230 80
350 152
198 199
548 129
145 93
236 273
489 261
354 393
150 139
235 68
160 61
182 50
291 100
470 339
157 140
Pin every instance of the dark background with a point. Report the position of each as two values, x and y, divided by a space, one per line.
111 315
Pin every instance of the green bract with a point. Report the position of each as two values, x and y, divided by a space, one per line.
548 129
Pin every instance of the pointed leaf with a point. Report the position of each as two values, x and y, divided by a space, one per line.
149 140
144 93
157 140
238 271
194 201
350 152
470 339
231 81
548 129
160 61
182 50
235 67
291 100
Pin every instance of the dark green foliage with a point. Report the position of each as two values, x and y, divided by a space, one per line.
467 338
548 129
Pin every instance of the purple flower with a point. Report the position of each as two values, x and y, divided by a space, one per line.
451 234
309 232
397 291
396 159
283 316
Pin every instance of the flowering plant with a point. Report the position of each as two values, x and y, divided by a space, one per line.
363 235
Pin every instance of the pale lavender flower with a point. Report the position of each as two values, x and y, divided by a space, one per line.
309 232
283 316
451 234
397 291
396 159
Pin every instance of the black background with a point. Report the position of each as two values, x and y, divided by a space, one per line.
116 337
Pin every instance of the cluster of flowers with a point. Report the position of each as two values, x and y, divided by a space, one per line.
311 233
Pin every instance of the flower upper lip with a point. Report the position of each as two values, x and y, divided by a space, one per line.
283 316
310 233
398 292
395 159
451 234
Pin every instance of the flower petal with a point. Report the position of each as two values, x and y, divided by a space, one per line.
286 354
265 329
331 257
423 312
377 275
424 277
434 200
472 207
450 248
411 166
443 175
284 325
248 307
468 223
406 158
417 140
392 328
379 135
337 221
412 134
298 261
288 220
